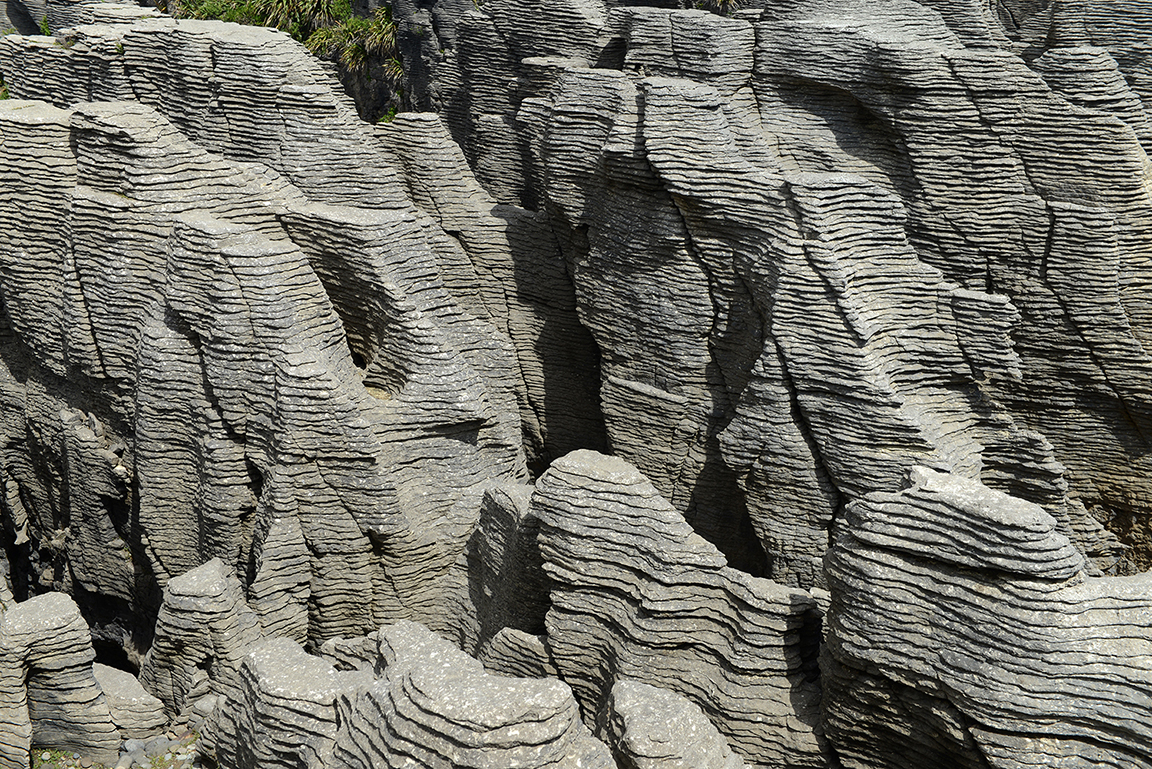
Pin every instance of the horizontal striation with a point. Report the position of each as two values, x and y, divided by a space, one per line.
654 728
974 598
49 694
637 594
435 706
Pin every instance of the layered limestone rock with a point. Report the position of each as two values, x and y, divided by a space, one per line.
267 100
513 652
435 706
964 628
203 631
637 594
1015 224
136 713
49 695
654 728
284 711
699 282
410 697
232 408
509 586
272 379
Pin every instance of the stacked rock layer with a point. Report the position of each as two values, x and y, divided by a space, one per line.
764 389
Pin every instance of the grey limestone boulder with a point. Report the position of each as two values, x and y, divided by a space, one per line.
435 706
49 695
397 696
203 631
137 714
653 728
283 713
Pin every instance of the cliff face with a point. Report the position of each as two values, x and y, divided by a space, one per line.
856 295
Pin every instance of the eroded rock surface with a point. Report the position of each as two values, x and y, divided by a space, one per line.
971 617
637 594
855 295
656 729
136 713
49 694
435 706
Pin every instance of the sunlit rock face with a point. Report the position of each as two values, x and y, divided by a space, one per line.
675 389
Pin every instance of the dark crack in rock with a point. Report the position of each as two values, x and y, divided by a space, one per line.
824 328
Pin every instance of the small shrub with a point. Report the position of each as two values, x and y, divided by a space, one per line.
719 7
328 28
44 28
355 40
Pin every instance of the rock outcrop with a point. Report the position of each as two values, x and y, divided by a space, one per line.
766 385
435 706
203 631
654 728
136 713
284 712
412 697
637 594
49 695
964 628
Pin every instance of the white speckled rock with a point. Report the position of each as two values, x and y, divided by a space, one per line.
283 713
136 713
435 706
654 728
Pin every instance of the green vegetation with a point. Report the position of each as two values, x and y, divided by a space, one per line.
44 28
354 41
388 116
327 27
3 88
719 7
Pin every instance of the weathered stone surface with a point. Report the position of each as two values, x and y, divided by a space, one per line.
636 594
136 713
654 728
203 631
771 260
435 706
284 710
509 586
513 652
211 426
49 695
971 616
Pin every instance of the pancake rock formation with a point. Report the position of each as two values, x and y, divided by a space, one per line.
760 386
